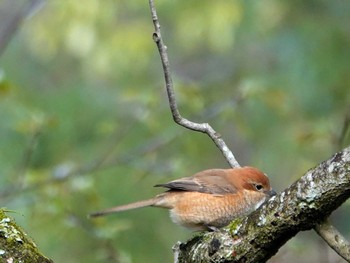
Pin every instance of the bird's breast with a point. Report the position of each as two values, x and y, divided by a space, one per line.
198 211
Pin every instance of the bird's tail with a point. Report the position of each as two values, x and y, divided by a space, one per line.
121 208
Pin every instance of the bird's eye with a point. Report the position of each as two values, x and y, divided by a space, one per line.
258 187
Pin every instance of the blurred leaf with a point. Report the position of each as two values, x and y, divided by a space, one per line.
271 77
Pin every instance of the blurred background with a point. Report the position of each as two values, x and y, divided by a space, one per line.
85 122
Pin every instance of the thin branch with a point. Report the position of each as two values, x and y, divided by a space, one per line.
344 131
12 14
105 161
324 229
334 239
200 127
27 156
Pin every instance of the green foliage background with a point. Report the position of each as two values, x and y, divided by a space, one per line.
85 122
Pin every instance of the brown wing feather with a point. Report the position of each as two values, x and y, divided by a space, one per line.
209 181
182 184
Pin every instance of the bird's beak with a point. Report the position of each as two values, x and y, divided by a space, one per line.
271 193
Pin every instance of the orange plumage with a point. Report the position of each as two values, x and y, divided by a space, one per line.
208 199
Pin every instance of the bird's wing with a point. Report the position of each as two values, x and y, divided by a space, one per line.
210 181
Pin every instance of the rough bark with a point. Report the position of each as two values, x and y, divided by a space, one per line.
15 245
299 207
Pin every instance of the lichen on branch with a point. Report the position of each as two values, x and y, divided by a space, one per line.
259 236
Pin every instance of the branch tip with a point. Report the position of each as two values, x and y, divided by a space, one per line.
199 127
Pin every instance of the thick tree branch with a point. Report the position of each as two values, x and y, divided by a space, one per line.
300 207
200 127
15 246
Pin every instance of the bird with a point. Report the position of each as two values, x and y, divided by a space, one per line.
208 200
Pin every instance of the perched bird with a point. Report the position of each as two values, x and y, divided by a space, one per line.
209 199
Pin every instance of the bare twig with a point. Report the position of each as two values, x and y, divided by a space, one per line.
105 161
27 155
344 131
334 239
12 14
325 230
200 127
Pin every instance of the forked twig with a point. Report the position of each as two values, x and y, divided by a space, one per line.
324 229
199 127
